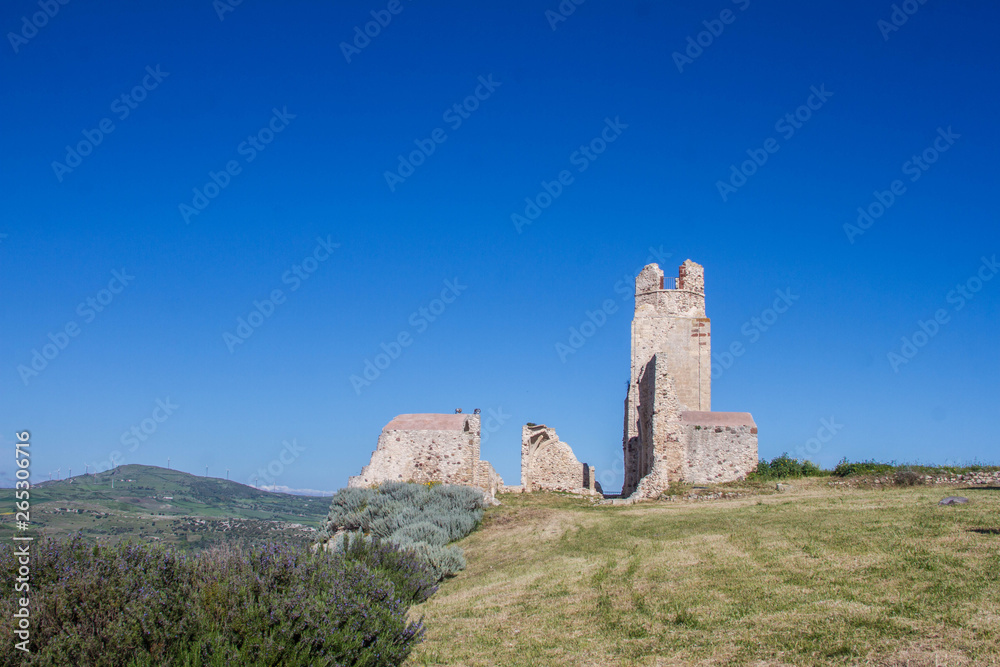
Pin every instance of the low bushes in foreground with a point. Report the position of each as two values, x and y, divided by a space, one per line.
138 604
421 519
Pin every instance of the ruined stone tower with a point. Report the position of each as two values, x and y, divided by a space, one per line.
670 318
669 398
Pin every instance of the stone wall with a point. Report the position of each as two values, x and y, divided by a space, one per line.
430 448
676 302
548 464
721 446
488 479
658 453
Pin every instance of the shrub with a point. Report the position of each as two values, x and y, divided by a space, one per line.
870 467
784 467
422 519
810 469
455 524
390 520
422 531
762 472
413 581
138 604
443 561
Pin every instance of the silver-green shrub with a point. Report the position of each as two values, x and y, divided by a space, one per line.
422 531
442 561
420 518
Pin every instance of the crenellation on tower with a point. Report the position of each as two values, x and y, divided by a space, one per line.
650 279
691 277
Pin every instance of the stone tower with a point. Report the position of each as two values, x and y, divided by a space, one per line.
669 321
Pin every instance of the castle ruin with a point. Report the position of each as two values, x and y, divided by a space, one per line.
670 432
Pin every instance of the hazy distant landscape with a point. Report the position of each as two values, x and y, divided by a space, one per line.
166 506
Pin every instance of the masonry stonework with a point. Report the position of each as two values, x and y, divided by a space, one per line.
670 433
430 448
548 464
721 446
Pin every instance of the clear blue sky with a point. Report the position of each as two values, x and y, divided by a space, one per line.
268 94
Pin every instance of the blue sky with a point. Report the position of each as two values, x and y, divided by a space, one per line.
208 160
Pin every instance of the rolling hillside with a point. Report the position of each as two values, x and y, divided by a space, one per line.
164 505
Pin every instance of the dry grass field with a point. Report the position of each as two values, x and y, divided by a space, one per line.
813 576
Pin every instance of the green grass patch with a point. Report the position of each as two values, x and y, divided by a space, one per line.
819 576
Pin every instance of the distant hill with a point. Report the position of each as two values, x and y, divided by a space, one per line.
169 506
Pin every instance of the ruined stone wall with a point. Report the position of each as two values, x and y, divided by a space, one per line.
687 348
673 445
548 464
643 455
673 321
687 342
430 448
630 441
721 446
489 479
674 302
660 451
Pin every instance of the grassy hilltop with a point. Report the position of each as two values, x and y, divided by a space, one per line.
164 505
819 575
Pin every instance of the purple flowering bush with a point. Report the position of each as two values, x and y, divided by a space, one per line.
412 579
274 604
